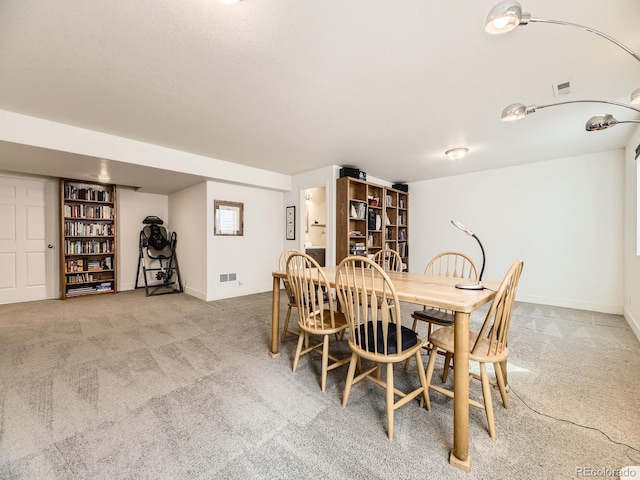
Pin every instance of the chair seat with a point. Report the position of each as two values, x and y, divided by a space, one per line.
340 323
409 338
444 338
434 315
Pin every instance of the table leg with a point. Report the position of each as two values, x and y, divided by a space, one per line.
275 318
459 457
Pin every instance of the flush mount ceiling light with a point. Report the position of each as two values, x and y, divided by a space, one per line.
456 153
228 2
604 121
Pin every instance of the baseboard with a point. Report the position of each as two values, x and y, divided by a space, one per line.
633 323
195 293
123 287
222 294
189 291
567 303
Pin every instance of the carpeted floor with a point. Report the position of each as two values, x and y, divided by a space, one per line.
170 387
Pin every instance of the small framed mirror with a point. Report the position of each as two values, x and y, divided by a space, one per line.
228 218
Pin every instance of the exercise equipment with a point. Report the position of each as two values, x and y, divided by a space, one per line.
158 259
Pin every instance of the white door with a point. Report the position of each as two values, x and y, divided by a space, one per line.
27 232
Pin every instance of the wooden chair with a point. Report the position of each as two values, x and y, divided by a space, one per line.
388 259
445 264
489 345
282 266
368 298
309 284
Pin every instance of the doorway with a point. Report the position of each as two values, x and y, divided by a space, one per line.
315 223
27 239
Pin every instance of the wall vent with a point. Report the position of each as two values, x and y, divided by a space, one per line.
562 88
228 277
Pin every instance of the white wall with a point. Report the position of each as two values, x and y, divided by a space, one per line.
562 217
253 256
133 207
631 258
23 129
188 213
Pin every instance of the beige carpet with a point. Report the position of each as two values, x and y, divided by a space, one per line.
169 387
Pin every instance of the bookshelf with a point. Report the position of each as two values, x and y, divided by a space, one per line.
88 233
370 217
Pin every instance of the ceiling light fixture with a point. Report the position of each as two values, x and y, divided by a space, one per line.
604 121
507 15
456 153
517 111
229 2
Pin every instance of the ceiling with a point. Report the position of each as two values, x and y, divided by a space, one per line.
291 86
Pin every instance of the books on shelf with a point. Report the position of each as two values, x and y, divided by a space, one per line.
85 290
88 238
84 229
357 249
80 191
358 210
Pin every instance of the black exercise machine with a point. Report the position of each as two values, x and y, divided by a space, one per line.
158 248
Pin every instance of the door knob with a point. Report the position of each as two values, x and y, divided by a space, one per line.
49 246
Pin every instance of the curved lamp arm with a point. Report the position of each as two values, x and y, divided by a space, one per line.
517 111
473 286
508 14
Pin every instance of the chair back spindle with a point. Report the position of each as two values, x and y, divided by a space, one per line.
492 338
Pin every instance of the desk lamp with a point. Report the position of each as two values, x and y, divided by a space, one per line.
471 286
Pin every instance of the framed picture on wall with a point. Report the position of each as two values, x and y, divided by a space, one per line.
290 223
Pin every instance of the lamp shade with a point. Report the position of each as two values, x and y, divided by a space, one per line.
514 112
604 121
600 122
504 17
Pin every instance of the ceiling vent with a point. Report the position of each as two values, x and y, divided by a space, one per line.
562 88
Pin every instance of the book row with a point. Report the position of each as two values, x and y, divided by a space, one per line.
103 212
88 264
88 246
72 228
85 192
85 277
102 287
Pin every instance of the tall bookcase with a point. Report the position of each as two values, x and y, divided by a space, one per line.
88 237
370 217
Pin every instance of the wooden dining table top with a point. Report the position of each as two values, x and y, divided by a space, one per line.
429 290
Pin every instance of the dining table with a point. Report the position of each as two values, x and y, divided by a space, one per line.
433 291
